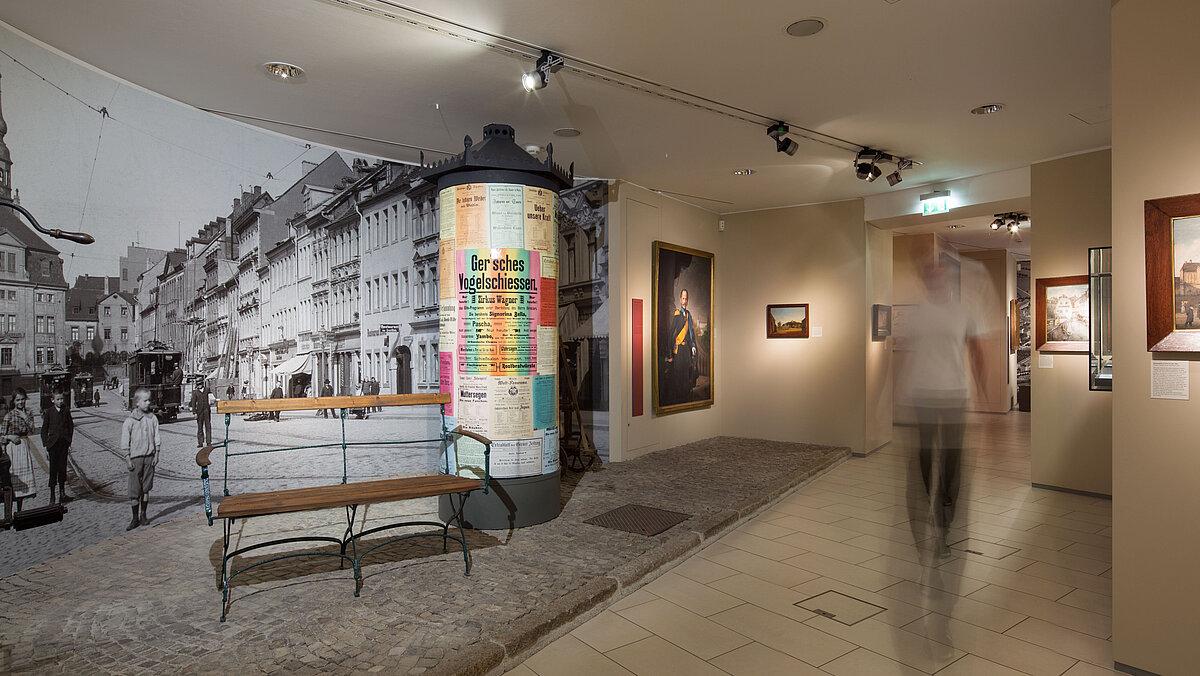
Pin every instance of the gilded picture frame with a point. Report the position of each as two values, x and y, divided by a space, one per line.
682 333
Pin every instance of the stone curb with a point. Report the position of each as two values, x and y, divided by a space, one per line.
484 658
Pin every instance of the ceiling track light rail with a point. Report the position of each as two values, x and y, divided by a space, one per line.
521 49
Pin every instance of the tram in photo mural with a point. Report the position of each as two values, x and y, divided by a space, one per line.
158 368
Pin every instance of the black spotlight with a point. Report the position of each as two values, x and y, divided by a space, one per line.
783 144
894 177
865 167
997 224
547 63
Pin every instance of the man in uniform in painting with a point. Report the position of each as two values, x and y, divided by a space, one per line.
681 360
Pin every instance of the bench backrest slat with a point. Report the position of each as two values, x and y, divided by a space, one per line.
335 403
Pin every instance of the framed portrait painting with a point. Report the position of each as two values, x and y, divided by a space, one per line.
1062 314
682 319
788 320
1173 274
881 321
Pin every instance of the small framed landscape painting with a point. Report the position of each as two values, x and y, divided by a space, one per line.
1173 274
1062 314
881 321
787 320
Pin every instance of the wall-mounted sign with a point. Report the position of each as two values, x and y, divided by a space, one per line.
936 202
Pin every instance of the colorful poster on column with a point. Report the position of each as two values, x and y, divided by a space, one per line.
550 451
510 403
447 215
446 272
506 215
498 317
541 222
471 216
448 325
473 407
545 402
547 350
498 310
517 457
446 376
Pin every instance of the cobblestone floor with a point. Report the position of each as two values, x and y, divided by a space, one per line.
99 478
148 601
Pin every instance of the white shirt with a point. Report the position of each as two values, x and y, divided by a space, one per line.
938 333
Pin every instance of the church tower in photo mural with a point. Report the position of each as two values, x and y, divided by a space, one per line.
32 292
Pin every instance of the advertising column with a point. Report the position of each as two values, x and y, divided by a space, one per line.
498 335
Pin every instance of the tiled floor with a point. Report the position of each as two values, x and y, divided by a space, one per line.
1026 588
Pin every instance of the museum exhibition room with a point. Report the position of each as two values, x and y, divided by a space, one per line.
563 338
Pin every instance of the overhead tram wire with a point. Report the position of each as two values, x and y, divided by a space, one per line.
333 132
106 115
522 49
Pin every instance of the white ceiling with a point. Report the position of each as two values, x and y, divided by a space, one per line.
900 76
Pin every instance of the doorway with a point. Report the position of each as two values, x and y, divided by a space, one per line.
403 370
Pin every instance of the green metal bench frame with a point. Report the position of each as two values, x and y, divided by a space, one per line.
349 539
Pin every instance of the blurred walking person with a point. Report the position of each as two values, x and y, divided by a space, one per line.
944 338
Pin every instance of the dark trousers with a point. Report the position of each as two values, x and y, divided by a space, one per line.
944 425
5 469
275 416
58 463
204 430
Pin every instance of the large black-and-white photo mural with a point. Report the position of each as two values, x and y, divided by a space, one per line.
229 262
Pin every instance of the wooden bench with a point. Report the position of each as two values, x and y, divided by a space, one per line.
346 494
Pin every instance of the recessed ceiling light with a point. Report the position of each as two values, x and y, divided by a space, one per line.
954 226
567 132
743 172
287 72
988 109
805 27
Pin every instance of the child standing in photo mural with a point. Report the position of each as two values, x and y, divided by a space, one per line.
18 475
140 441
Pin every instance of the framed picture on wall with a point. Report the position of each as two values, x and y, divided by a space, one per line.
682 319
788 320
1173 274
881 321
901 327
1062 314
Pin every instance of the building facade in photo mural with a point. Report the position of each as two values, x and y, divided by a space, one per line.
263 260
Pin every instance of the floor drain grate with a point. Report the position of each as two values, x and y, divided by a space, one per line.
638 519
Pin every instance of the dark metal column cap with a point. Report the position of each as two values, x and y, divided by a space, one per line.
498 151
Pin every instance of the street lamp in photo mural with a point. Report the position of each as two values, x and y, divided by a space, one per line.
498 322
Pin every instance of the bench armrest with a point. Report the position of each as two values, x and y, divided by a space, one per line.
202 456
487 453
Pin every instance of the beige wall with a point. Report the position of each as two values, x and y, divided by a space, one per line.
811 389
1156 455
985 284
643 217
1071 426
909 253
879 412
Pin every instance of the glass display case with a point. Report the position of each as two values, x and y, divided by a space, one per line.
1100 322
